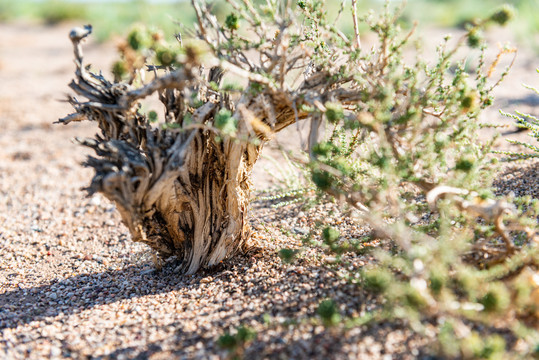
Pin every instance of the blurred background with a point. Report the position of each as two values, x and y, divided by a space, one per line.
115 17
36 55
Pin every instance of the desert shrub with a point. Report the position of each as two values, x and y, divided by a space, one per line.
401 151
182 181
408 160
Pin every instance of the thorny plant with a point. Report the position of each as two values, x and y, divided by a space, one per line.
408 160
401 150
526 122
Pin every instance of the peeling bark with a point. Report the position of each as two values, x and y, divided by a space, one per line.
183 189
180 190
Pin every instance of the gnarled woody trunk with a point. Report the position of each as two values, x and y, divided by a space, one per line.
180 189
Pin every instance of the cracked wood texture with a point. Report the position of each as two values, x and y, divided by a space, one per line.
183 188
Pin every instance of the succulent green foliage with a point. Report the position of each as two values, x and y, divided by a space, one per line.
410 131
403 100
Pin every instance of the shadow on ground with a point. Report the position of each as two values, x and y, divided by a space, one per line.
81 292
520 180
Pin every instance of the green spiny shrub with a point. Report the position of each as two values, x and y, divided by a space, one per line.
401 152
406 157
527 122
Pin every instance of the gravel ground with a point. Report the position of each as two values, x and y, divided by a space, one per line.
72 284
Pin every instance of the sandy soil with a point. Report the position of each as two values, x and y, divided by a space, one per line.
73 285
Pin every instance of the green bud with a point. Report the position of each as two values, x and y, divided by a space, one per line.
503 15
497 298
382 161
334 112
245 334
329 312
475 38
152 116
195 51
287 255
377 280
436 283
119 70
321 179
166 57
465 163
440 140
324 149
225 122
227 341
494 348
342 165
414 299
469 100
139 38
187 119
232 22
485 194
472 345
330 235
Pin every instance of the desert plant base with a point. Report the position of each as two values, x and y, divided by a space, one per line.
199 216
183 189
195 210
